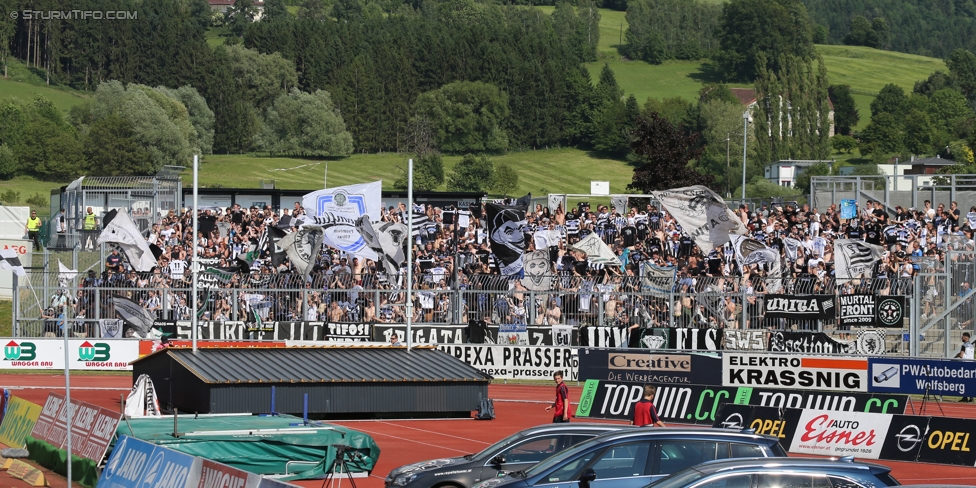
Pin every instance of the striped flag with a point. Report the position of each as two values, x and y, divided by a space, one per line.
223 275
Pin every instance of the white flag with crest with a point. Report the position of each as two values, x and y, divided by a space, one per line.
855 259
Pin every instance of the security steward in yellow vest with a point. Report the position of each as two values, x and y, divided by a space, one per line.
34 230
89 230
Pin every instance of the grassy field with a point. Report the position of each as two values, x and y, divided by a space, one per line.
540 172
865 69
23 83
868 70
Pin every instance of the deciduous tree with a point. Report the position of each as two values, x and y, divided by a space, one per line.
664 154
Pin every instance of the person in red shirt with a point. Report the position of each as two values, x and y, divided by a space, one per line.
644 412
560 407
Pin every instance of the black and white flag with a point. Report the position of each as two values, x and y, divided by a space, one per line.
749 252
273 242
658 280
386 240
855 259
791 245
341 233
65 275
134 314
110 328
10 260
597 251
538 271
507 237
120 230
303 247
702 214
620 204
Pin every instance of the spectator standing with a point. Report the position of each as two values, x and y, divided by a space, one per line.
34 230
560 407
89 228
965 352
645 414
61 225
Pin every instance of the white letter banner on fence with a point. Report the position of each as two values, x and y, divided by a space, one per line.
518 362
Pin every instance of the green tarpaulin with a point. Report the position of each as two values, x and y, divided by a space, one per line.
265 445
84 471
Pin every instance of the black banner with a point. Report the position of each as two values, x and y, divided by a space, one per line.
939 440
276 331
871 310
906 435
745 340
949 441
776 422
422 334
799 307
699 404
506 237
606 337
868 343
637 366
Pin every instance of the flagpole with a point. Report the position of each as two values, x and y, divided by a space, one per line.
38 300
67 390
196 261
408 302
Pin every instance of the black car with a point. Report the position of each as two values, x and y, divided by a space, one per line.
779 473
515 452
632 458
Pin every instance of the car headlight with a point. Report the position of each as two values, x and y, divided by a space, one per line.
405 479
490 483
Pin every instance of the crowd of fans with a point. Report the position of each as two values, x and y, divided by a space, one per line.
456 277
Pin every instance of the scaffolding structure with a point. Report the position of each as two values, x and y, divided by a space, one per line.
145 198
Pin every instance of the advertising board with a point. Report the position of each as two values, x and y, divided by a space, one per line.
868 435
642 366
90 354
92 427
18 421
825 433
136 463
698 404
518 362
920 376
795 372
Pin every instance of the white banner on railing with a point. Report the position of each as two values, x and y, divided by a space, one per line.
518 362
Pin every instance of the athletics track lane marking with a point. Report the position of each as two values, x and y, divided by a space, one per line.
437 433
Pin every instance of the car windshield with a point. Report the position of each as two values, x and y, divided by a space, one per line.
558 459
488 451
681 478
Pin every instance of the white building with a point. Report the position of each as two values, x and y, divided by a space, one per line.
785 172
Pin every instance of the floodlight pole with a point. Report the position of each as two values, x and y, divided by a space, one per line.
745 140
196 261
408 300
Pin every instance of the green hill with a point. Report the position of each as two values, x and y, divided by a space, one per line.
26 83
865 69
540 172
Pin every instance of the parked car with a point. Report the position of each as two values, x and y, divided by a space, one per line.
780 473
515 452
633 458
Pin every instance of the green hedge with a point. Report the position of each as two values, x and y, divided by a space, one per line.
83 471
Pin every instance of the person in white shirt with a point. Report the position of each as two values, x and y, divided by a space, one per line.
965 352
176 269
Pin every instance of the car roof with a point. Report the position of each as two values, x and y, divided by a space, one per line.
710 467
574 427
698 433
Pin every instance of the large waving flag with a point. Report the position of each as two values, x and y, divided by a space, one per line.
702 214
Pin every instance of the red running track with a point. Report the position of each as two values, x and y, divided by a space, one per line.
405 441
